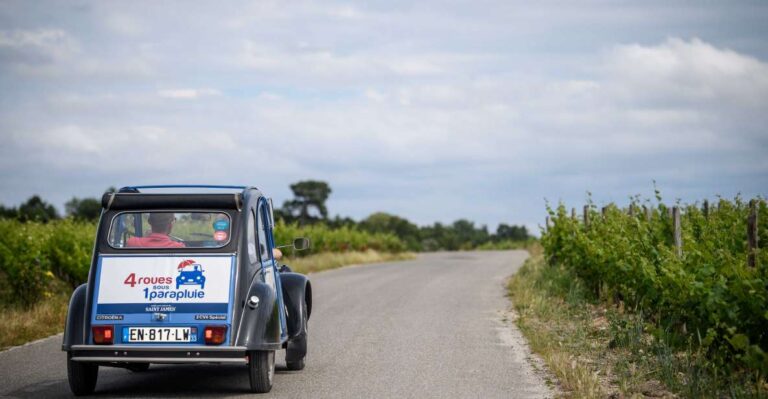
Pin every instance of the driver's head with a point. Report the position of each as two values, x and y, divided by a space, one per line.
161 222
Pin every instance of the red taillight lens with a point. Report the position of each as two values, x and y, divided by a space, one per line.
215 335
103 335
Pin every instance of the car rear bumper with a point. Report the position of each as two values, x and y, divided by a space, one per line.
158 354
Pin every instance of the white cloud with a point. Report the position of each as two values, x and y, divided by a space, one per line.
347 12
41 46
57 54
47 38
688 71
187 94
323 67
414 66
139 149
374 95
124 24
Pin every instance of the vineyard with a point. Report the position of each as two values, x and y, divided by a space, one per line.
38 259
694 273
342 239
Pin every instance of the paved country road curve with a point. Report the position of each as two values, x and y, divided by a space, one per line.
428 328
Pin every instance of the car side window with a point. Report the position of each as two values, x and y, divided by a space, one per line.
263 246
252 245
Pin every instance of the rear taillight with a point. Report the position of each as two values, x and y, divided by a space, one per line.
103 335
215 335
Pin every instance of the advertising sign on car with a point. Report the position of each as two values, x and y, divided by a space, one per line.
134 284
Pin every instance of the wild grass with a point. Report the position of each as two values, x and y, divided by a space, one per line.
508 245
555 329
21 325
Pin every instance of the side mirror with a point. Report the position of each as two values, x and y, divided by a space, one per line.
301 243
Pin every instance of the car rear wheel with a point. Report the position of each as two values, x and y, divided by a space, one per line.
295 366
82 376
261 370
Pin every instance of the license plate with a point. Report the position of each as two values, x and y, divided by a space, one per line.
159 334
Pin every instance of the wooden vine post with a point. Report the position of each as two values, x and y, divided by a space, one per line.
752 234
706 209
586 215
678 231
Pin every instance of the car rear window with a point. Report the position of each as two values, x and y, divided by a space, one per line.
169 230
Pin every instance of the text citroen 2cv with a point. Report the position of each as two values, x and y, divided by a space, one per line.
186 274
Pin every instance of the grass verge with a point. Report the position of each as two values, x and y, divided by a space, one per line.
597 349
21 325
329 260
529 245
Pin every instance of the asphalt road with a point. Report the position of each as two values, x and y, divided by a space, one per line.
433 327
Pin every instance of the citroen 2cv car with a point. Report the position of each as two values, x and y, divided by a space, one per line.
180 277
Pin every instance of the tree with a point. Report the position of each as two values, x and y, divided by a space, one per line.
37 210
467 235
308 194
438 237
513 233
8 213
85 209
406 231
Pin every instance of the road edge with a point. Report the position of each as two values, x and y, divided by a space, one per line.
37 341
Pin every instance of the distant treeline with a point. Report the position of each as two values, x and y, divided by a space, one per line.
308 207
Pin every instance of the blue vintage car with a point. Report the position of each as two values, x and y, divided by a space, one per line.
187 274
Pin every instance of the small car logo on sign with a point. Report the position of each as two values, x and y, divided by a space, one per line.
190 273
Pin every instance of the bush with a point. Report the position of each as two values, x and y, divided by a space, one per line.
709 295
32 254
23 261
69 248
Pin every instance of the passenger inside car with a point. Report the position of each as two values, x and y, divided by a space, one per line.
162 224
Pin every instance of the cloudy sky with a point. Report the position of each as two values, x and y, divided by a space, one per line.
430 110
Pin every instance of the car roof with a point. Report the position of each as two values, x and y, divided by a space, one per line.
177 196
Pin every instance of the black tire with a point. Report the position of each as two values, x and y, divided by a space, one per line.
82 376
297 365
261 370
298 345
138 367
